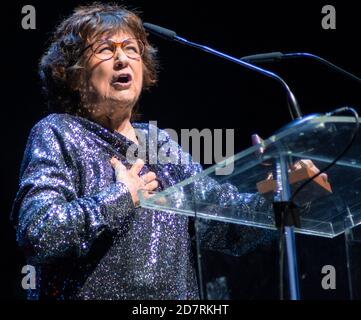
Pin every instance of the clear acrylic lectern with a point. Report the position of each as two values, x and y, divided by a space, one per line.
325 213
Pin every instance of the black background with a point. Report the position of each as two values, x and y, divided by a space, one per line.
197 90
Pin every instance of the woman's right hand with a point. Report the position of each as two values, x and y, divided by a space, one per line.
131 178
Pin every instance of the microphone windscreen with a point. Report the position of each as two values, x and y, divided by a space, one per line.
160 31
263 57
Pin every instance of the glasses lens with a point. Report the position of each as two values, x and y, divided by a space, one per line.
104 50
133 48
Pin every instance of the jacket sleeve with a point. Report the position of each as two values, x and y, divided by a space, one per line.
230 238
51 221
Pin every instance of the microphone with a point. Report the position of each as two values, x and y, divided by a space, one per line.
160 31
167 34
277 56
263 57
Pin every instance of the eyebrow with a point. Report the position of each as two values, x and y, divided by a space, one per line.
104 39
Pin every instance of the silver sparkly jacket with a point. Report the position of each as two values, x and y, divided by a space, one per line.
82 232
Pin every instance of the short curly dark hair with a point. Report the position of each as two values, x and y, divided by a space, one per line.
61 66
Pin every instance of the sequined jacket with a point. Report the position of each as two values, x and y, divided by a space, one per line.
79 226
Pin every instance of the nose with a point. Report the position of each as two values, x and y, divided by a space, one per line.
120 59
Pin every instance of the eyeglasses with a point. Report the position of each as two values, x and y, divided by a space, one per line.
105 49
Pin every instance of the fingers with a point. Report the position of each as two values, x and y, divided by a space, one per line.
135 169
131 176
324 176
116 164
148 177
118 167
146 194
151 185
159 201
137 166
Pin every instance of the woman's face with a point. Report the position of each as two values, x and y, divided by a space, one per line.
116 82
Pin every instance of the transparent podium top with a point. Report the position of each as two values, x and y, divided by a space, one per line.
325 214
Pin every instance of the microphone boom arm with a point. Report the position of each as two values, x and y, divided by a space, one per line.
277 56
293 105
322 60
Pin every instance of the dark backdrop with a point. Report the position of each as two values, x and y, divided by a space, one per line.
195 90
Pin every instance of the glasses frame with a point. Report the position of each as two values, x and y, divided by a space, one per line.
117 44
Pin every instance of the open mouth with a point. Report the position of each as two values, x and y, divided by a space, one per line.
122 79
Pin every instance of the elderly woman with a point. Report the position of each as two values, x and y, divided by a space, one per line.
76 209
